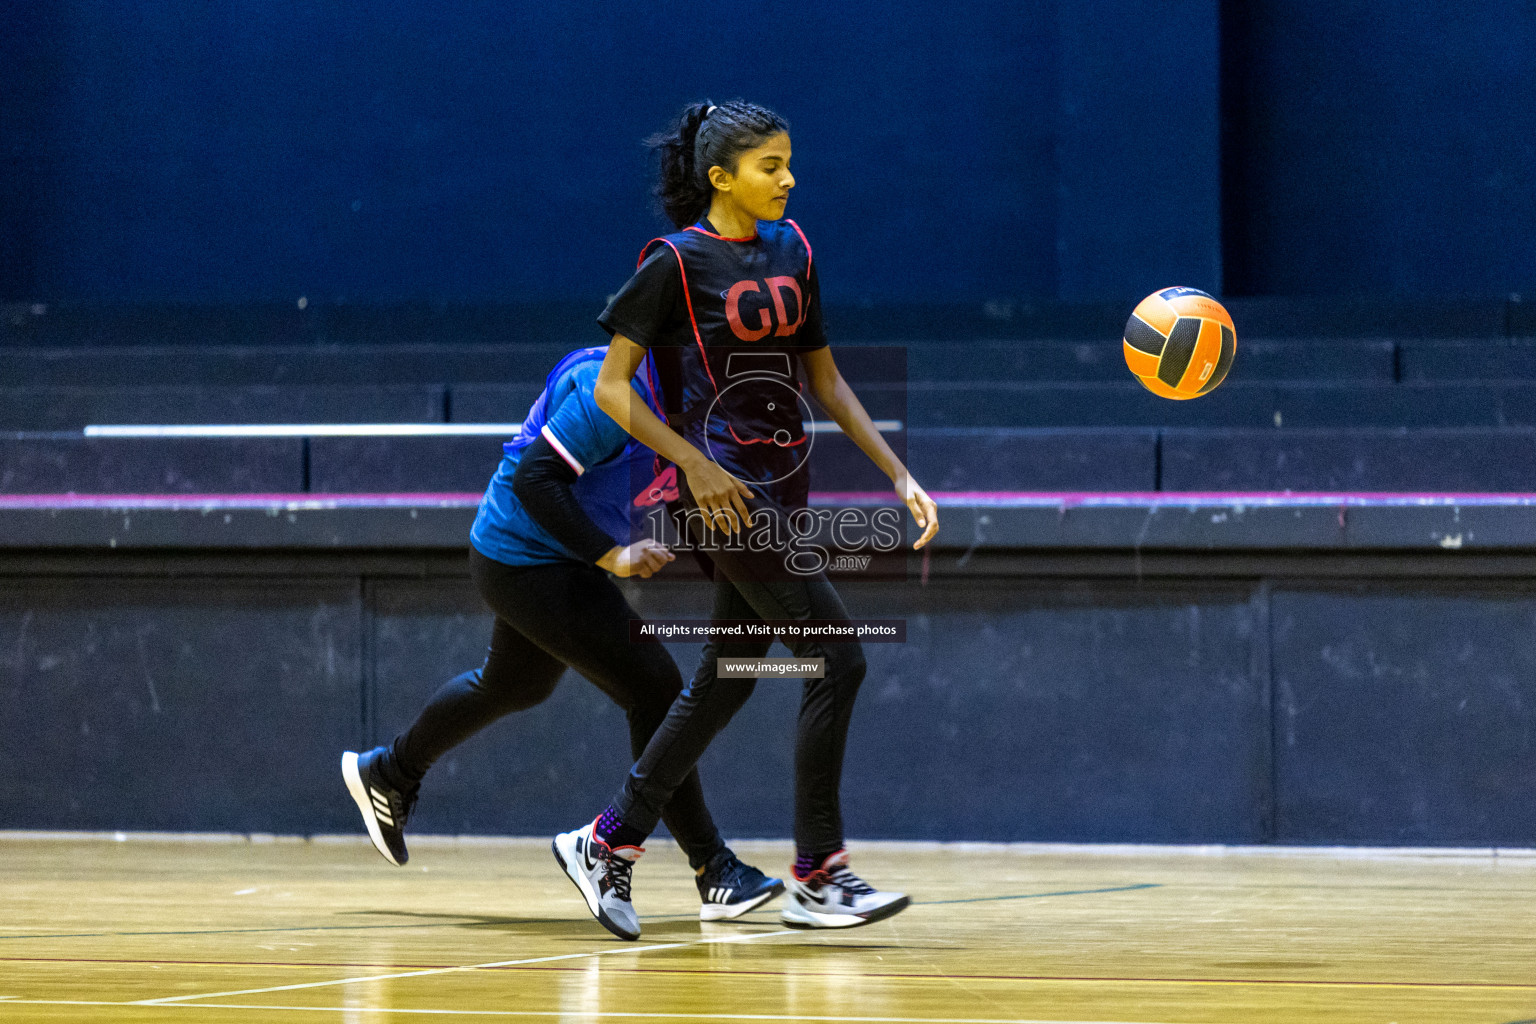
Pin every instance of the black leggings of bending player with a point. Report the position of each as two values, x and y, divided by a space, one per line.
756 585
549 617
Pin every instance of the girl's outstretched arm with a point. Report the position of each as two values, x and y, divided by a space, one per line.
716 491
844 407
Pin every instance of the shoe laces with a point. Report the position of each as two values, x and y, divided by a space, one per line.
402 803
620 873
731 871
849 882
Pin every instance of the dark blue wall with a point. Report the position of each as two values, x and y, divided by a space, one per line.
1380 147
242 151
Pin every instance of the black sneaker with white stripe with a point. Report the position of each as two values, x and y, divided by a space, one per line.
384 808
728 888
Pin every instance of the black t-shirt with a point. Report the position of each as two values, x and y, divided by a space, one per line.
737 313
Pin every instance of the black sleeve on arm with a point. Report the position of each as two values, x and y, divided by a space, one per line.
813 333
648 305
543 484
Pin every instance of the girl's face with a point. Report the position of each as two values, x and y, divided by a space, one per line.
760 187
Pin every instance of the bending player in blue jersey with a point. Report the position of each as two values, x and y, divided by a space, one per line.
542 546
732 300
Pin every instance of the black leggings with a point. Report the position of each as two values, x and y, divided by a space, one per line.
549 617
755 585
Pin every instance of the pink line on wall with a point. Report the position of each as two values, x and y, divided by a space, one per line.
1003 499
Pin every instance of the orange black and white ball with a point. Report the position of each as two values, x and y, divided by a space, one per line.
1179 342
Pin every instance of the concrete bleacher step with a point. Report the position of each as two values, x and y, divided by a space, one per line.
1322 360
401 464
142 366
103 325
965 459
1024 361
1486 459
1467 359
1495 459
921 403
318 321
151 465
1258 359
1255 405
70 408
493 403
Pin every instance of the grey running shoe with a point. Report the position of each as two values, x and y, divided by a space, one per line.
728 888
384 807
834 897
602 875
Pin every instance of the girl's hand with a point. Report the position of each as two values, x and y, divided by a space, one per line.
720 496
921 506
642 558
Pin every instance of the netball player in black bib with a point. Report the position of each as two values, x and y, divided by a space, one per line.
732 299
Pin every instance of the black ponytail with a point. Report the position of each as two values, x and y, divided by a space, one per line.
706 136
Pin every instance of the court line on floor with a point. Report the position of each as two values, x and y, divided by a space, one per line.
164 1000
168 1000
235 931
470 921
620 1014
1088 979
183 962
894 975
1039 895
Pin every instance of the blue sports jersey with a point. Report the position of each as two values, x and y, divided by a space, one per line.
614 483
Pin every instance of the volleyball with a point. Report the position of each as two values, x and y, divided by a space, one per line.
1179 343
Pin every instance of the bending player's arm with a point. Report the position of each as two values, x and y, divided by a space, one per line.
542 484
835 396
716 491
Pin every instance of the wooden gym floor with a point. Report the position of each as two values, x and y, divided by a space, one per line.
239 931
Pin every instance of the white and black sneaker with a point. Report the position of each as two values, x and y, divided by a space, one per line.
602 875
384 808
728 888
834 897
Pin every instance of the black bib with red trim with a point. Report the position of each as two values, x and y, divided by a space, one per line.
741 401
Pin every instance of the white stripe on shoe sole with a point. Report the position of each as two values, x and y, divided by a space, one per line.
574 873
797 915
722 911
364 805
